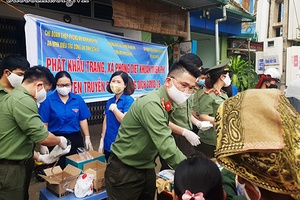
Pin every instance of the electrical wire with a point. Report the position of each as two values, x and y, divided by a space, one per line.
20 11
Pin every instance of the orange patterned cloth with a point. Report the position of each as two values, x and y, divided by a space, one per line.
258 138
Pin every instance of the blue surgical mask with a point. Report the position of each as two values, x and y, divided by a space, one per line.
201 82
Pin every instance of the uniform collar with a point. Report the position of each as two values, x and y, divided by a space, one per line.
3 89
164 99
121 97
22 89
208 91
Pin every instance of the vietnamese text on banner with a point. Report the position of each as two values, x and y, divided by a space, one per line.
91 56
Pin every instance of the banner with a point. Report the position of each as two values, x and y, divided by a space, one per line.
91 57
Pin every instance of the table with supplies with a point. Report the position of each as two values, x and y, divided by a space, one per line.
47 195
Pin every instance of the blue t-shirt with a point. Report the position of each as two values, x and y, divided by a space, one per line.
234 90
112 124
63 118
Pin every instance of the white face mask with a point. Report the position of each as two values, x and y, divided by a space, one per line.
41 95
227 80
176 95
64 91
14 79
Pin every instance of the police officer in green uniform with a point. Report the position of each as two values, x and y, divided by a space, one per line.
144 134
206 103
182 120
21 127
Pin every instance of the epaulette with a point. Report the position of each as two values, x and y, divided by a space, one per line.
212 90
208 91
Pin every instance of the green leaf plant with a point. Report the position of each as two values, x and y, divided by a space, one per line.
243 73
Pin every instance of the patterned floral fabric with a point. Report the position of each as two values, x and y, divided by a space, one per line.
258 138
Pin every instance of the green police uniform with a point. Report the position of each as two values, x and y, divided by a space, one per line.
21 127
208 102
180 116
144 132
2 91
143 135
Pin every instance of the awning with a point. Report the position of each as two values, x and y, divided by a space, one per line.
195 4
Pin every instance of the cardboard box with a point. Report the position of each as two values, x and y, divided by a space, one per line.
59 181
97 168
77 162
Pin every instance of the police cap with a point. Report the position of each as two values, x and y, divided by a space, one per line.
221 68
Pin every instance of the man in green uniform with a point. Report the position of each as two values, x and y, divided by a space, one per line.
21 127
206 103
182 120
12 69
145 133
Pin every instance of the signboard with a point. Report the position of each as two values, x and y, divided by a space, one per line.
180 49
91 57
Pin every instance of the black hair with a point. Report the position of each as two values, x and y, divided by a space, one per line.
182 66
192 58
204 70
213 77
62 74
228 90
39 73
13 62
199 174
129 90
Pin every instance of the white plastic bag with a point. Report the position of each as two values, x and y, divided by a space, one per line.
84 185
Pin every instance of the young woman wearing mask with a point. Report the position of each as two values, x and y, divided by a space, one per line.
206 103
122 86
65 114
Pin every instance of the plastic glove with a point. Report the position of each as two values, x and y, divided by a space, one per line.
63 142
57 151
112 107
101 146
88 143
44 149
204 125
47 159
191 137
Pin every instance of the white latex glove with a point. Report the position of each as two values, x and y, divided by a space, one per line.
63 142
204 125
101 146
112 107
47 159
57 151
191 137
88 143
44 149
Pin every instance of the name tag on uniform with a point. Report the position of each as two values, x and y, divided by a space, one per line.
219 100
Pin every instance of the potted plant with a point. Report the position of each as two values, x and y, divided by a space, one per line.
244 76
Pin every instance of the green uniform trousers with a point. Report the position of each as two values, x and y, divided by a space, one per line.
15 179
124 182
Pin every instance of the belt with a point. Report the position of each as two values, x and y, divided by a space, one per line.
115 158
13 162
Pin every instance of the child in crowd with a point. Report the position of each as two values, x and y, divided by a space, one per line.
198 178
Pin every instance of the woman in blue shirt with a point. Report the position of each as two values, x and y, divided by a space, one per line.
65 114
122 86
